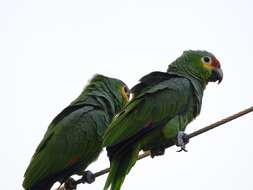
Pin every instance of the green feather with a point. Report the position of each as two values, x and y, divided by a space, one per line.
163 104
142 109
74 138
120 167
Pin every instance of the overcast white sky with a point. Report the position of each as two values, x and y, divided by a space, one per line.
54 48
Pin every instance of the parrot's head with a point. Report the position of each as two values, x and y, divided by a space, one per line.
202 65
123 90
115 88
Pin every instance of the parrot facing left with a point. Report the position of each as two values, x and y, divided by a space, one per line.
163 104
74 138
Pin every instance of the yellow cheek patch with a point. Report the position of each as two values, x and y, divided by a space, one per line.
124 95
208 67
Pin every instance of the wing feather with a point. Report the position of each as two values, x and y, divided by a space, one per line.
163 101
64 143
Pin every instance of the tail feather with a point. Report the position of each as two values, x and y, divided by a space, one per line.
47 182
121 164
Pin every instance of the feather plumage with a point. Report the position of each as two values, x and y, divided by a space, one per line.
74 138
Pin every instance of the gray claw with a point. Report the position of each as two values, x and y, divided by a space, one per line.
181 141
182 149
88 177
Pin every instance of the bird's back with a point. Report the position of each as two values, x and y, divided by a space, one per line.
67 147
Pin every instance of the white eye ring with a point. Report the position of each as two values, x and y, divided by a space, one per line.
206 60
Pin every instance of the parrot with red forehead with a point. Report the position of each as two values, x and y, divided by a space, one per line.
163 104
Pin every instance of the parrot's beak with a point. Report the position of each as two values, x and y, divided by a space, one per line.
217 75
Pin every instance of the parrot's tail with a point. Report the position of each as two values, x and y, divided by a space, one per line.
121 164
39 186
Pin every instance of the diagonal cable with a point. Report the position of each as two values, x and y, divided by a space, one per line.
189 136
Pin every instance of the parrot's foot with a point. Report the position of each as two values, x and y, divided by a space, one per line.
182 140
157 152
70 184
87 177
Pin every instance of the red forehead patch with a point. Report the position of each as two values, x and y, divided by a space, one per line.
215 63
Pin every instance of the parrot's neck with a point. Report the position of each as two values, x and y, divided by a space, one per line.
99 98
109 104
198 86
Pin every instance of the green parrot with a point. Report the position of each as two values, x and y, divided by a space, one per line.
73 140
163 104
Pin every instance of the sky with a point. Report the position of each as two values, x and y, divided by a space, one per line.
50 49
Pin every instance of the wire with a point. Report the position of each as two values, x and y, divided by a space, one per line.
189 136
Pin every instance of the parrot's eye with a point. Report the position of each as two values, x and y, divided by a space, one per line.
127 91
206 60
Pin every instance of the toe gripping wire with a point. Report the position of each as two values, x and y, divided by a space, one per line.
91 177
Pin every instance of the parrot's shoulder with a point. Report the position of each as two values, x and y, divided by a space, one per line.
157 81
70 109
150 80
87 122
63 116
155 77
